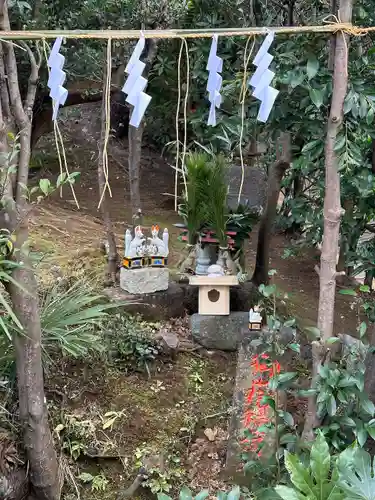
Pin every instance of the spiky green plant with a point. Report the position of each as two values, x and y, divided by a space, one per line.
217 215
70 319
193 209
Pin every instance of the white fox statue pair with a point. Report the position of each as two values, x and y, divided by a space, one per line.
152 247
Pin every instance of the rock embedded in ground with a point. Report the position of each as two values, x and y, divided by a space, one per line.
223 333
155 306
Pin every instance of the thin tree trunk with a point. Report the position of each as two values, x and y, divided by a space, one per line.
266 225
332 202
45 475
332 215
104 209
135 153
41 456
135 142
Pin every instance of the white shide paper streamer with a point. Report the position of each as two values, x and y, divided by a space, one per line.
136 84
214 67
262 79
56 79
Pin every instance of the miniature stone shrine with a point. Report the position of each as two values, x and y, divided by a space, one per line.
255 319
213 296
144 265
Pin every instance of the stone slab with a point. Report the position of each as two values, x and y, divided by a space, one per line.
224 333
145 280
242 386
254 188
156 306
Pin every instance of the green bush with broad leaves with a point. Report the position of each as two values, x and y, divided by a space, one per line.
348 476
133 341
186 494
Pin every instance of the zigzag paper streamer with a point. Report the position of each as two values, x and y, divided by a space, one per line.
214 67
136 84
57 77
262 79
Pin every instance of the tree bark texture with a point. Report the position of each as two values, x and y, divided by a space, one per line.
16 116
332 216
44 471
135 141
104 209
275 177
332 202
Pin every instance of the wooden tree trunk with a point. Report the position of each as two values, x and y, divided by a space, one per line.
332 214
45 475
104 208
135 142
16 115
332 202
275 177
135 153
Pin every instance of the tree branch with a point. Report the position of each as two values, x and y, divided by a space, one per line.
33 79
11 71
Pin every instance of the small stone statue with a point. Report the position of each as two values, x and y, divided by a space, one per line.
215 271
156 245
136 247
255 318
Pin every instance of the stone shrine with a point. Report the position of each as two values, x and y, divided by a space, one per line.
144 265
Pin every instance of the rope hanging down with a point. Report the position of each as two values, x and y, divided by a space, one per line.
328 27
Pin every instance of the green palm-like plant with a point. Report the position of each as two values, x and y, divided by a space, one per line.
69 317
70 320
193 209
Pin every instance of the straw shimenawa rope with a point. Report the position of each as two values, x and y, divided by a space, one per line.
59 141
177 127
184 147
185 114
107 105
327 27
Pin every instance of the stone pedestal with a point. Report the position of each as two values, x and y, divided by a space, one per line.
224 333
144 280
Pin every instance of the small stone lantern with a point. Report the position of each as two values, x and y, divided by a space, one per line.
214 293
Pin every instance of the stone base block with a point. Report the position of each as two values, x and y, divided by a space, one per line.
155 306
145 280
224 333
244 379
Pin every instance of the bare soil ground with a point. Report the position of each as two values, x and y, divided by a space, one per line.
161 409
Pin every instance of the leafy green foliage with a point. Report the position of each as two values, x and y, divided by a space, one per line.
186 494
70 318
70 321
133 341
358 480
98 482
315 481
193 209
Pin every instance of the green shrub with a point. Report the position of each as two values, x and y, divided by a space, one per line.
134 341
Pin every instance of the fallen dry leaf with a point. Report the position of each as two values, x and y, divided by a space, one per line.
210 433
